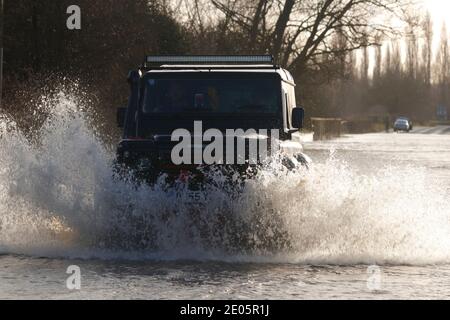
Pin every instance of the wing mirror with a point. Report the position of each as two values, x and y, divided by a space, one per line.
298 117
121 114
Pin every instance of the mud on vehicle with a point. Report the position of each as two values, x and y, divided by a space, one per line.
249 96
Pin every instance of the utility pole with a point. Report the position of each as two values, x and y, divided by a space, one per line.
1 51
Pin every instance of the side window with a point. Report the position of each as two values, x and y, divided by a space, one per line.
288 110
290 102
292 97
149 96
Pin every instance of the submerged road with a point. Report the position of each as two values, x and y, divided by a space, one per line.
432 130
377 227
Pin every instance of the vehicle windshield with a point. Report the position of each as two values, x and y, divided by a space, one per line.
213 95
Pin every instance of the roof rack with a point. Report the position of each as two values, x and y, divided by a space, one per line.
216 60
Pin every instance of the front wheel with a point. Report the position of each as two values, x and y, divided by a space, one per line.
296 161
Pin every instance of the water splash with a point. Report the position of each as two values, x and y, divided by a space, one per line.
58 197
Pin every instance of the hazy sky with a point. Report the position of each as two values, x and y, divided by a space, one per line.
440 11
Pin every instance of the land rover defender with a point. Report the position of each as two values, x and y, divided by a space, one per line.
246 97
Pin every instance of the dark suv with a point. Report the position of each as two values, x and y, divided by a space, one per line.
240 97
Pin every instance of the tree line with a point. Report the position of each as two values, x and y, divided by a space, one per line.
409 76
326 44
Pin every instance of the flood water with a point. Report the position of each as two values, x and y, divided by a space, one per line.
370 219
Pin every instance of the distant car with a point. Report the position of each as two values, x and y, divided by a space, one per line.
402 124
409 121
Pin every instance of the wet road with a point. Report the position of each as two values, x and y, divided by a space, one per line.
411 246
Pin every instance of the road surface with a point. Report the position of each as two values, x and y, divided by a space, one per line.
370 220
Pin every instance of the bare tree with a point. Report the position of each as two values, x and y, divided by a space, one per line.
412 54
442 69
256 20
280 27
378 59
427 48
297 33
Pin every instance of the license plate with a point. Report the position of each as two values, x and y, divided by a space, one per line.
196 197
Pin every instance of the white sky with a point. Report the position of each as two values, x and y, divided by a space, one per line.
439 10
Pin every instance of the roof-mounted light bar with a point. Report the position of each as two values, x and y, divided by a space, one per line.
213 60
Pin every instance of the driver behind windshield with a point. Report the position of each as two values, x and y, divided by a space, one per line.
175 98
